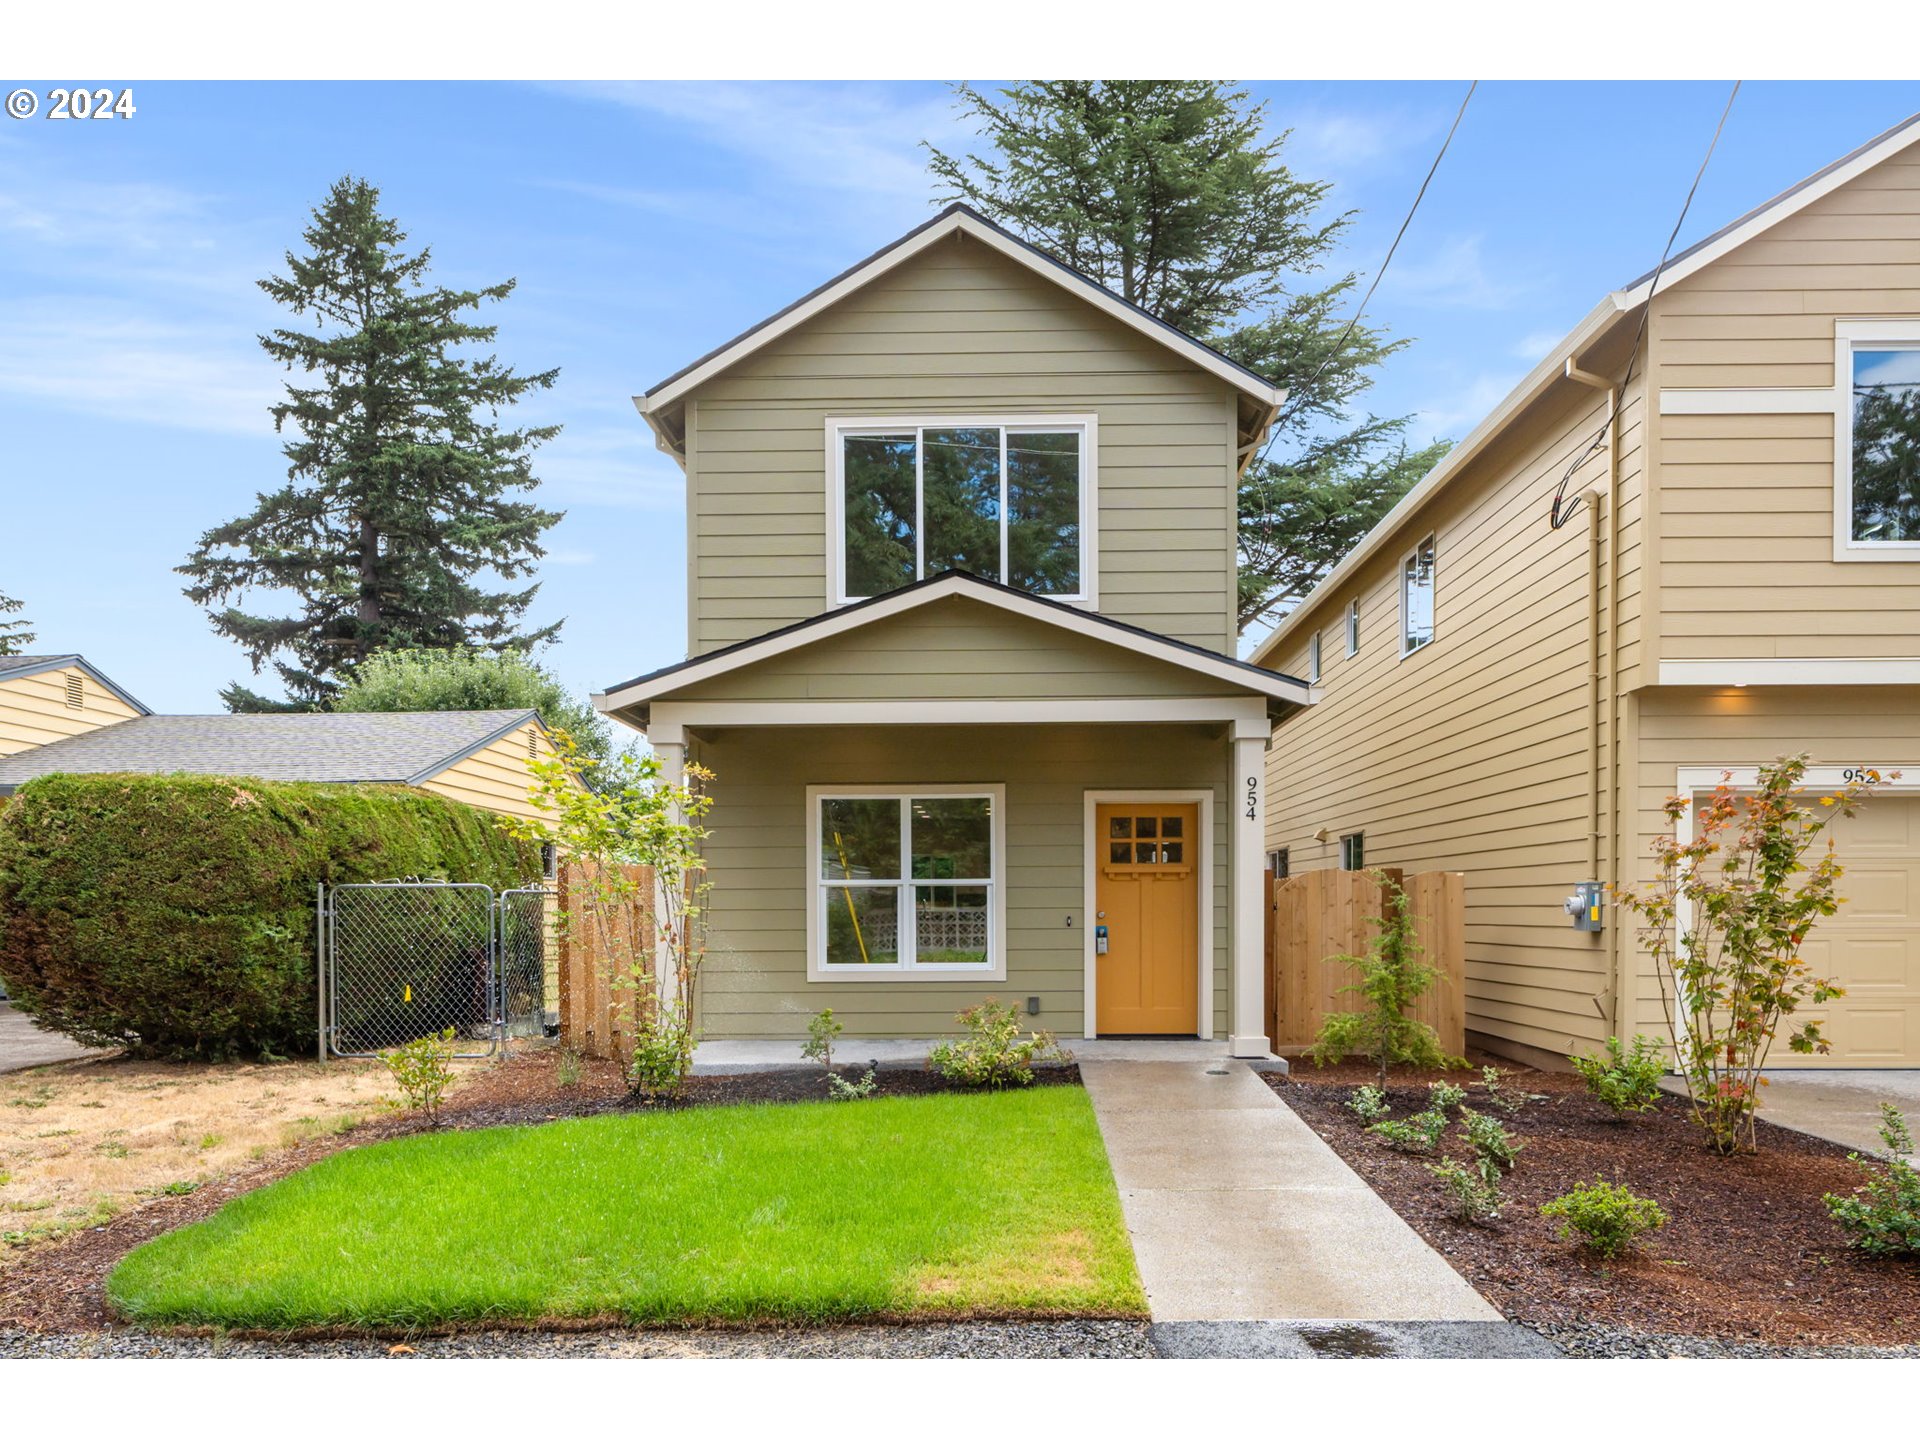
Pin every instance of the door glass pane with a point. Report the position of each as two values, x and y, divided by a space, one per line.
1143 853
950 924
860 839
879 513
960 481
953 838
1043 512
1173 853
862 924
1120 827
1119 852
1172 825
1886 445
1146 826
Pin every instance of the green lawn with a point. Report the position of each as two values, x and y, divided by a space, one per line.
931 1206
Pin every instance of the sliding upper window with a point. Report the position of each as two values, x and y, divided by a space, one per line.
1005 499
1883 494
1416 598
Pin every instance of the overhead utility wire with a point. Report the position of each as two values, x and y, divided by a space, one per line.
1563 511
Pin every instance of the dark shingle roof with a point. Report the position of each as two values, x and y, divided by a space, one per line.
400 748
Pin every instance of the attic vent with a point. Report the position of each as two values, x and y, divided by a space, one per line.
533 743
76 696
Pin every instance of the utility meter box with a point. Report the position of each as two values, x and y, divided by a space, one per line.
1587 906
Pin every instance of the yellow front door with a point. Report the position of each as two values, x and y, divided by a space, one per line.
1147 896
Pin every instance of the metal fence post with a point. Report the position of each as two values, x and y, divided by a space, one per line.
320 966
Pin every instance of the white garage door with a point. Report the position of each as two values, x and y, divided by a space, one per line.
1872 946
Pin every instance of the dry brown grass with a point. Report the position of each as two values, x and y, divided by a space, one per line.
81 1141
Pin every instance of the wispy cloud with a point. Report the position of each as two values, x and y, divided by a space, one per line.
1455 414
1454 274
1336 144
1533 346
609 465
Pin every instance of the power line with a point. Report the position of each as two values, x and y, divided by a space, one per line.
1561 511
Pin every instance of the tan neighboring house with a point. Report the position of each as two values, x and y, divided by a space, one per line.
476 756
44 698
961 579
1736 577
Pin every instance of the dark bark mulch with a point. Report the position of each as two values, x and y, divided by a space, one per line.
60 1286
1748 1252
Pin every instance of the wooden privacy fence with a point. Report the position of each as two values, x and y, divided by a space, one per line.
596 1014
1323 913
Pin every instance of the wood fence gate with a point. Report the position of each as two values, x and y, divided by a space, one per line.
1322 913
596 1013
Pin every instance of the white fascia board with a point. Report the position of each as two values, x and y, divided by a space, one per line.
1278 687
1822 670
960 222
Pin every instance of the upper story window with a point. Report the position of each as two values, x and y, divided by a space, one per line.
1009 499
1313 659
1353 627
1353 851
1881 492
1416 598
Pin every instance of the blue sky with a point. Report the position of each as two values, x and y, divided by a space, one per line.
647 222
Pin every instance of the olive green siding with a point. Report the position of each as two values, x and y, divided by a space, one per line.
755 984
961 329
958 649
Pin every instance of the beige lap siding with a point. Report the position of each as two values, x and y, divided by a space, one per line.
755 984
960 330
495 778
34 709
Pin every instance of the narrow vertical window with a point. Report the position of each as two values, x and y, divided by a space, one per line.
1416 598
1353 627
1353 851
1885 498
1277 862
880 474
1313 659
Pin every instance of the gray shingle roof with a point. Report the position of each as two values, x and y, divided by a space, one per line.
399 748
15 666
33 662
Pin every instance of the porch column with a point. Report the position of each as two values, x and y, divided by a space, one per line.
671 747
1247 969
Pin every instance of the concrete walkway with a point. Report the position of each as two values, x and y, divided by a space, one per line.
1838 1105
734 1057
1239 1212
23 1044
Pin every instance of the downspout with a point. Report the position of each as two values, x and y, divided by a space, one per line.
1603 706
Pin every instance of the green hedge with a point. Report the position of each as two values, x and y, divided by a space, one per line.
174 914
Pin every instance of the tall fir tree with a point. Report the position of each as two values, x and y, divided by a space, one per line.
405 494
1171 194
15 637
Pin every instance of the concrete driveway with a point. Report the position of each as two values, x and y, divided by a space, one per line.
24 1045
1840 1105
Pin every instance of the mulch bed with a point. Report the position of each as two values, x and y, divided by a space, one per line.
60 1286
1748 1253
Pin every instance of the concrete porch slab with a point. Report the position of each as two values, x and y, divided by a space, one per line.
737 1057
1842 1106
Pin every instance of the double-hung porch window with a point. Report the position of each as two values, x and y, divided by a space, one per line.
906 881
1008 500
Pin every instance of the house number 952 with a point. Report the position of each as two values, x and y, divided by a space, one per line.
1253 797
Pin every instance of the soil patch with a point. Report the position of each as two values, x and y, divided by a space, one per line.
1748 1252
57 1285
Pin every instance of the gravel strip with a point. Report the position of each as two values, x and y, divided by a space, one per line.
1605 1342
1022 1340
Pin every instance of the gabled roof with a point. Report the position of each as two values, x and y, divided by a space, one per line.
1610 316
17 667
402 748
956 219
1240 673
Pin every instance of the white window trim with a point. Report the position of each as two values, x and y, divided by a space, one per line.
1848 336
1090 877
1353 627
1313 658
1430 538
996 967
1089 427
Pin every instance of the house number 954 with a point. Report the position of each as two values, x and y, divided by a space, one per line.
1253 797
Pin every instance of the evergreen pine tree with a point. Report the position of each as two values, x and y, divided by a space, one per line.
15 637
1170 194
404 492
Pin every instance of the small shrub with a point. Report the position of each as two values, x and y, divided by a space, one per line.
567 1072
843 1089
1369 1102
1416 1135
1605 1218
1474 1190
1493 1090
1625 1081
1882 1217
423 1069
1392 978
992 1055
662 1059
1492 1142
1443 1095
822 1031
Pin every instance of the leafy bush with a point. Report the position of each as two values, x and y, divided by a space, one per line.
841 1088
1475 1194
1492 1142
1625 1081
1882 1217
1444 1095
1417 1134
1494 1091
173 914
1605 1218
423 1069
992 1054
1392 979
1369 1102
822 1030
662 1058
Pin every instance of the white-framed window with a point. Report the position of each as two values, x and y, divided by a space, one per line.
1279 863
1416 598
904 881
1007 497
1877 440
1353 627
1353 851
1313 658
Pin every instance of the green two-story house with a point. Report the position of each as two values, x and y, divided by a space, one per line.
961 583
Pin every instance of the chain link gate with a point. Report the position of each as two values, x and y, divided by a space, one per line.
404 959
